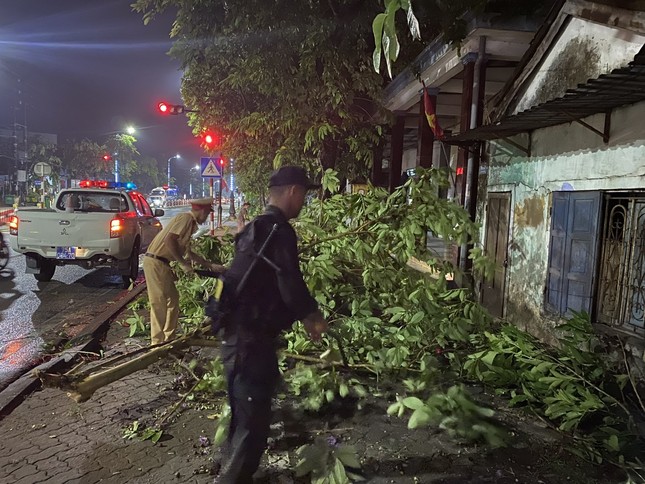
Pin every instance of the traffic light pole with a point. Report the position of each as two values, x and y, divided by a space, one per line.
219 205
212 215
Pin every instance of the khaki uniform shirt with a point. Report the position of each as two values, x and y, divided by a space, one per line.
183 225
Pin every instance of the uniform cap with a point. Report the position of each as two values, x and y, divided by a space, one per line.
291 175
202 203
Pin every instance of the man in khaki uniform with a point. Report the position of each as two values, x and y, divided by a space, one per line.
172 244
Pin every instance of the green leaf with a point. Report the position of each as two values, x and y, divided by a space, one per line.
377 29
338 475
347 455
343 390
489 357
412 403
419 418
393 408
418 316
413 23
220 434
612 443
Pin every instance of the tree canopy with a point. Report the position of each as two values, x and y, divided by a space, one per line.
280 81
80 159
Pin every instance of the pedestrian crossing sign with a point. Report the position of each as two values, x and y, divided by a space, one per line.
210 167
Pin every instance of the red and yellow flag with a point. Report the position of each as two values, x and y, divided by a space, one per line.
431 114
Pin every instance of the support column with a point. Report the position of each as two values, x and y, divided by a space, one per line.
471 173
464 125
473 176
425 144
396 157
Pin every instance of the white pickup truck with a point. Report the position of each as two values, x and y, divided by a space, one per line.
98 224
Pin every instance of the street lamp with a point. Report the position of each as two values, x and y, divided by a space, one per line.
172 157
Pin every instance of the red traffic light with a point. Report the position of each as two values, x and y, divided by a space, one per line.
107 157
165 108
209 140
221 162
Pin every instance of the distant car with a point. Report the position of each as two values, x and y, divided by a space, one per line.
99 224
159 196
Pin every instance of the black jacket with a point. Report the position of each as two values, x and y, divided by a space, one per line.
271 299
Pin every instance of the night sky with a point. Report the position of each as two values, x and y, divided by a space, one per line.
89 68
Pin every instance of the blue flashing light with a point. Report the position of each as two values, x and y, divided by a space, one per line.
126 185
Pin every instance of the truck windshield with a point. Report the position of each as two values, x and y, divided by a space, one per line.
91 201
159 193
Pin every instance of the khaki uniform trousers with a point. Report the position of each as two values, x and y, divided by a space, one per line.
164 300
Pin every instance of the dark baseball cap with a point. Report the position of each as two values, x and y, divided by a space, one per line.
291 175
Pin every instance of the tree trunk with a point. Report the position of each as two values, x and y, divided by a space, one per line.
81 387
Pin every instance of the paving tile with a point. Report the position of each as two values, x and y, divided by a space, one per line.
23 471
46 453
33 479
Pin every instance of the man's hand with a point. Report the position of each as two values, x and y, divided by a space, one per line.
315 325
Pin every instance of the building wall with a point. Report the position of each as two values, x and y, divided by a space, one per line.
409 159
585 50
565 157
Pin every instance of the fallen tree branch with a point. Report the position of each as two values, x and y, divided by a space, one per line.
81 387
321 362
162 421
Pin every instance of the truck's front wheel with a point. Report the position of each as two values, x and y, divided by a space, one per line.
47 269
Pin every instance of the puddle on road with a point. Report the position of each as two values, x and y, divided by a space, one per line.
33 316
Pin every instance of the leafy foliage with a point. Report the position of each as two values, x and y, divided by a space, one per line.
387 319
579 386
328 462
137 325
134 430
453 411
403 330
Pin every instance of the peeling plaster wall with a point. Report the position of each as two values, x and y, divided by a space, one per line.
584 50
565 157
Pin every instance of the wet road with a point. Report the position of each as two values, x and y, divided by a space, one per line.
34 314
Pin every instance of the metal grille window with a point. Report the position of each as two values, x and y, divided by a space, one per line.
621 284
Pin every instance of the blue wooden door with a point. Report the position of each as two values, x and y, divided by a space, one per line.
573 245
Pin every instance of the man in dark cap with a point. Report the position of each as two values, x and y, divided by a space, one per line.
172 244
273 297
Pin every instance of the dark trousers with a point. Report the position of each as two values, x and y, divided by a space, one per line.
252 375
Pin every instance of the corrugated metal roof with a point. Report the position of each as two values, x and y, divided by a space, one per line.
620 87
